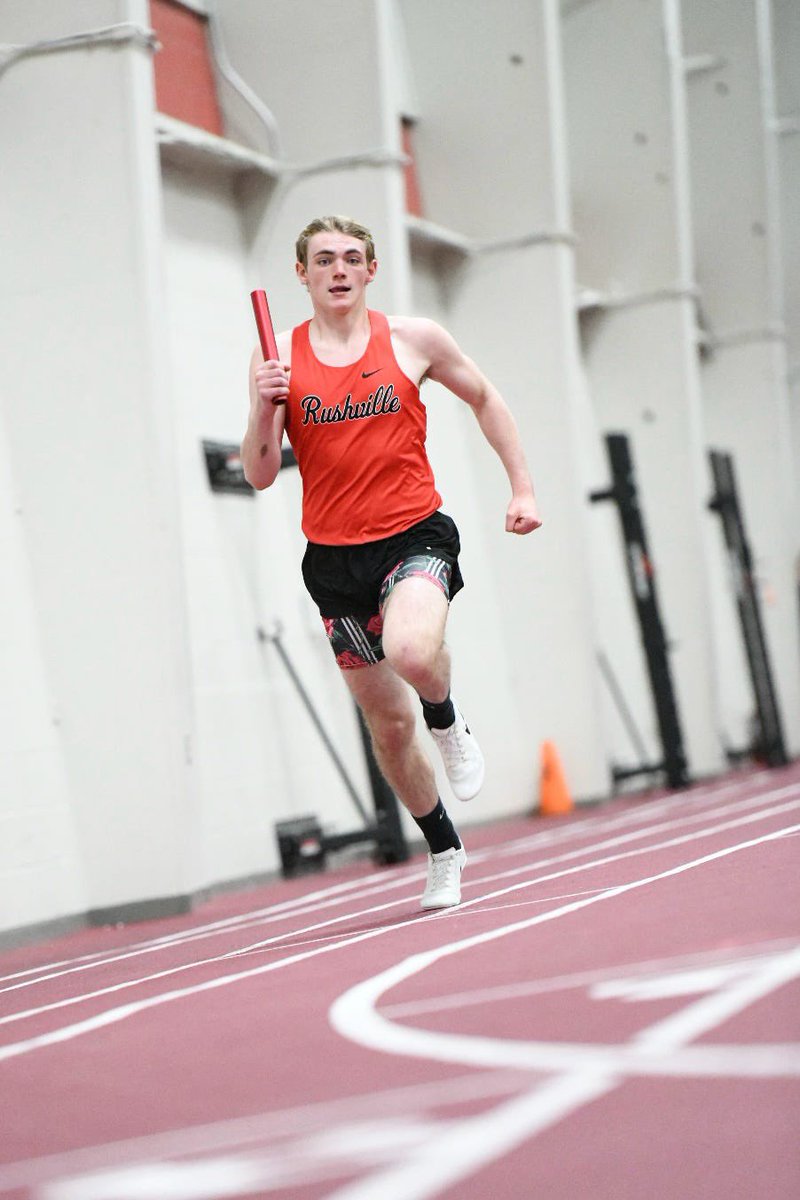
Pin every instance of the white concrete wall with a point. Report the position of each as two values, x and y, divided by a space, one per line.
628 164
87 427
786 130
739 246
41 874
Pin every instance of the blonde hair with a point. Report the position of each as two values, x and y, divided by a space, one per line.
334 225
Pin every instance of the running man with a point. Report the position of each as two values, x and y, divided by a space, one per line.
382 558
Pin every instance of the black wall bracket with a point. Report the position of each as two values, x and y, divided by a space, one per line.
769 744
642 579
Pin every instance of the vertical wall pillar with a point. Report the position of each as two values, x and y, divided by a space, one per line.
41 870
736 208
628 164
503 282
87 426
785 128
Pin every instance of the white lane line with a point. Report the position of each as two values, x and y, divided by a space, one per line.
761 814
260 1129
292 939
292 936
354 1014
645 811
125 984
114 1015
461 1150
280 912
587 826
718 1006
638 835
609 859
741 956
243 927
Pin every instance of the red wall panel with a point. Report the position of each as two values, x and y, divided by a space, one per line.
413 194
185 86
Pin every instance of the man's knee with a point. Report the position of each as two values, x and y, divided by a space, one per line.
410 653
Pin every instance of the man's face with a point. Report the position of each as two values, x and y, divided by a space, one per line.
337 272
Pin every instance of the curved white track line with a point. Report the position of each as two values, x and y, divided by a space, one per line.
587 1072
354 1014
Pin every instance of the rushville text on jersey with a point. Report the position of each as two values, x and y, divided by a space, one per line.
378 404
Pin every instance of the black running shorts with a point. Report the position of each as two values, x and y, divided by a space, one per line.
350 584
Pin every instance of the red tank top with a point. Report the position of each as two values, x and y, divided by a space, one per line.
358 434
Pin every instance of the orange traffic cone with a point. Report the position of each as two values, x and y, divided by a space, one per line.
554 797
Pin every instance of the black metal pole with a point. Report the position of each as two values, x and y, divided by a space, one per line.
622 707
641 576
725 502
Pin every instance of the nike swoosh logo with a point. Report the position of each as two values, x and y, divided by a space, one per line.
366 374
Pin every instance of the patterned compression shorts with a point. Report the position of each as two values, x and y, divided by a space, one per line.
358 641
351 584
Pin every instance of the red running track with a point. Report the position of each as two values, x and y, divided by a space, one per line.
611 1012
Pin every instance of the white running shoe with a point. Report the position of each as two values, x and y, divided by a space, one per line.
462 758
443 888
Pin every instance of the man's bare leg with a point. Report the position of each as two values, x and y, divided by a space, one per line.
386 704
385 701
414 620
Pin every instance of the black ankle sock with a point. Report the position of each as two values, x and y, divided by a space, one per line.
438 716
438 830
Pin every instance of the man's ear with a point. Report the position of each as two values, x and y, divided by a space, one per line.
371 270
300 271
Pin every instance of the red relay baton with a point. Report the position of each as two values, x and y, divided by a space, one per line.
266 332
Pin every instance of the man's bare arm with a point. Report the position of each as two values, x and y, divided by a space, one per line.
449 366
